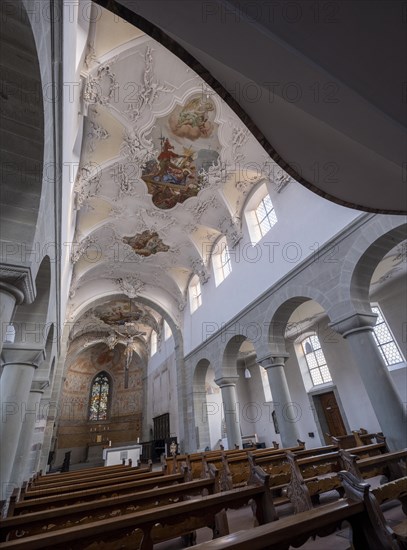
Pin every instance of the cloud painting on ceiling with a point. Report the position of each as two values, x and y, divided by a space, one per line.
146 243
185 142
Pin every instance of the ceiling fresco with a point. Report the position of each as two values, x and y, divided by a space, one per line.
186 145
160 179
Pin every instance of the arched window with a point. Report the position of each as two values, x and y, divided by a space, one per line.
222 264
384 339
195 294
260 214
265 215
153 343
316 361
99 397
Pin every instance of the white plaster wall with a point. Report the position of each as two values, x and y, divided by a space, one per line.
392 299
255 269
301 404
162 394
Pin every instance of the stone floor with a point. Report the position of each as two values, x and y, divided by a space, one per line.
243 519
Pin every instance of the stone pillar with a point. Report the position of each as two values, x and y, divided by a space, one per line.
287 413
230 410
15 385
29 418
358 331
10 297
202 437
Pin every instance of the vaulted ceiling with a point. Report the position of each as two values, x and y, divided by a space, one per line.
166 167
167 162
322 83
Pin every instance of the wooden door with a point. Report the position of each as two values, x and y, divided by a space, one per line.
332 414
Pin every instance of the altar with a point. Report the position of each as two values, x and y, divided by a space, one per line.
115 455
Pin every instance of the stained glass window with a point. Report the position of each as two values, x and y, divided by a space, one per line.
316 361
99 397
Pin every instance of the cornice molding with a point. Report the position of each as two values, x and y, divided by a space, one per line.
21 278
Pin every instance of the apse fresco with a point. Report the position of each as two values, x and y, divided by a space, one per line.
146 243
185 142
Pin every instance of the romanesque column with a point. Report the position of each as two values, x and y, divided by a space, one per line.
10 297
230 410
286 411
357 328
15 385
30 414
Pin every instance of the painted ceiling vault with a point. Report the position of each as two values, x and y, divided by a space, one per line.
165 170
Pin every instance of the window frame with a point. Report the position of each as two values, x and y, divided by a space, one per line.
153 343
391 341
195 297
252 205
268 214
220 250
318 367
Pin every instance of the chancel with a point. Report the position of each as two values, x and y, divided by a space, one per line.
203 291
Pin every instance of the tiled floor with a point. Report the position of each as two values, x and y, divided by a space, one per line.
243 519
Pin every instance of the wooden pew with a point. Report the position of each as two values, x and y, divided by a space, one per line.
313 476
194 461
41 476
79 514
236 470
296 530
355 439
34 492
386 537
80 474
67 499
174 464
392 465
84 479
220 463
143 529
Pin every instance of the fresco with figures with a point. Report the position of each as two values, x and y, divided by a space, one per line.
185 142
146 243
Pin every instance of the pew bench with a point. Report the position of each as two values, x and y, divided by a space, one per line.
313 476
235 470
67 499
40 477
141 530
84 479
78 514
392 465
296 530
139 474
91 473
388 538
355 439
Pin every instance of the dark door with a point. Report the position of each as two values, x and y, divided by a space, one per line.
332 418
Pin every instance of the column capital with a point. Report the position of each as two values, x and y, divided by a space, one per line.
354 322
226 381
273 360
13 290
20 278
39 386
13 354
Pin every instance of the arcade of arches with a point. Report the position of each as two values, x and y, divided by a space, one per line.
158 262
